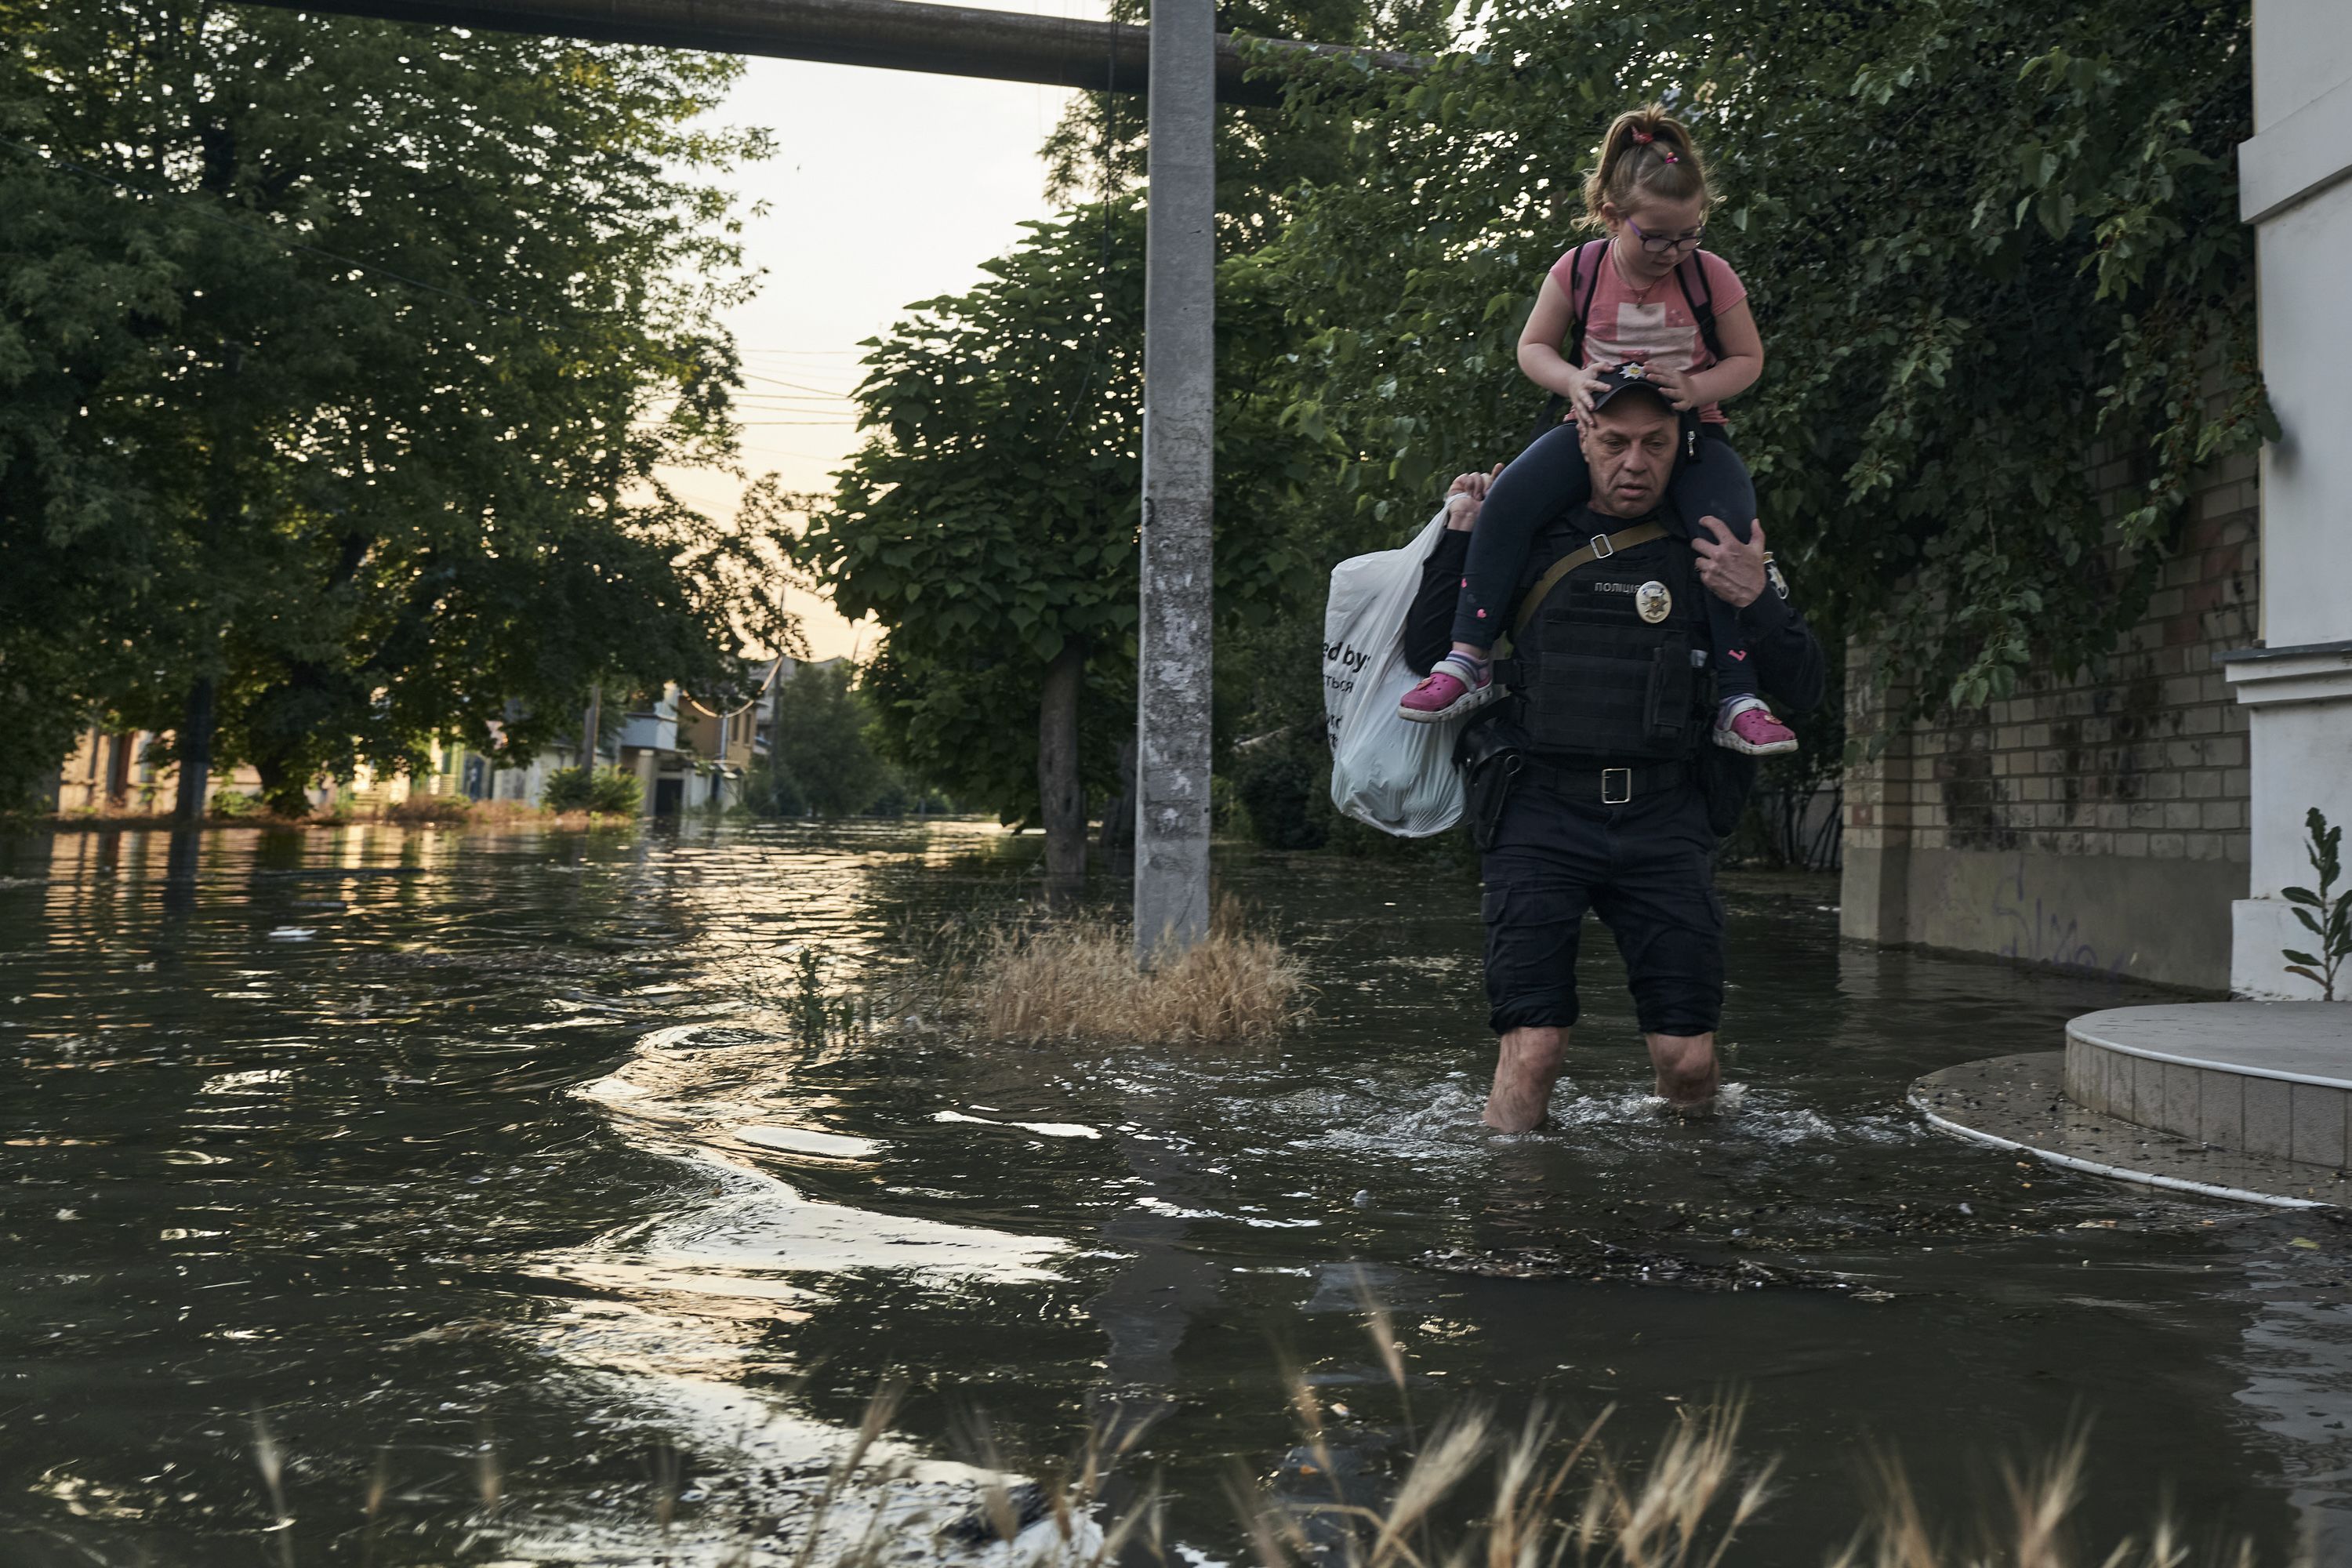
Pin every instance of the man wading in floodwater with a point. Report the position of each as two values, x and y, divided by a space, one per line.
1592 786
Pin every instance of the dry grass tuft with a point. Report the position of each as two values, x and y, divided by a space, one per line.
1559 1496
431 810
1077 980
1683 1512
2041 1502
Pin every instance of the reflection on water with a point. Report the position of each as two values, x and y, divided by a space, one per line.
518 1155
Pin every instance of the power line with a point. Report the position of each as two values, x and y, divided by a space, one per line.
775 665
795 385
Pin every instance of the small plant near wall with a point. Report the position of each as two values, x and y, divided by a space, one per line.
2326 914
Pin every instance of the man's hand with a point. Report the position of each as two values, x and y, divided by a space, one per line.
1465 496
1732 572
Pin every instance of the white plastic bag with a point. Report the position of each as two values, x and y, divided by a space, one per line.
1391 772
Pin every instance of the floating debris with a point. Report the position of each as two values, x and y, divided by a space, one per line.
1603 1262
1020 1507
334 873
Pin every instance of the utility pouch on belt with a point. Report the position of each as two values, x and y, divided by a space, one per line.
1726 780
1492 755
1668 711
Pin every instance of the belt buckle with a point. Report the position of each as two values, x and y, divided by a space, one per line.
1602 549
1625 786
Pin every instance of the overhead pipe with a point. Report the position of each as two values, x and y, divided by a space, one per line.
891 35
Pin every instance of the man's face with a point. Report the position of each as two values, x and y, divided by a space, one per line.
1630 447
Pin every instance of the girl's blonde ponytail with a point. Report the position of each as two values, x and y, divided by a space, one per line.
1646 152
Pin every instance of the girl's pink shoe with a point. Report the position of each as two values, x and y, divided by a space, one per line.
1459 685
1746 725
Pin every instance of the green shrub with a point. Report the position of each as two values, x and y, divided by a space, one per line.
237 802
608 792
1284 792
567 790
776 792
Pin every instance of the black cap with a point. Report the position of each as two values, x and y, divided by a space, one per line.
1632 376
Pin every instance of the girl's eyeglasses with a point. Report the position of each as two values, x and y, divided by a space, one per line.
1659 243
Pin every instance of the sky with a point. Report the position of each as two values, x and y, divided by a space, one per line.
887 187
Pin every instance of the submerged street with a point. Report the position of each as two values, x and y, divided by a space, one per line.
563 1197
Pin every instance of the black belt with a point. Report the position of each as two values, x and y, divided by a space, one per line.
1610 786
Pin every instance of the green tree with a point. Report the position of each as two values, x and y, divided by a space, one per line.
342 359
1983 241
819 758
990 521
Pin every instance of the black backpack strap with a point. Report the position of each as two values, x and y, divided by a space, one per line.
1581 307
1580 291
1692 276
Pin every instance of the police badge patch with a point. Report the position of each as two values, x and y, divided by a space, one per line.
1652 602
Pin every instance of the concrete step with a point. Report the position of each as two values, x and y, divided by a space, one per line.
2015 1103
2266 1078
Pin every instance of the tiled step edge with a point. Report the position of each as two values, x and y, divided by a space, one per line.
2015 1103
2305 1119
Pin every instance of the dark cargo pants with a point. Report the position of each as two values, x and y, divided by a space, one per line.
1645 867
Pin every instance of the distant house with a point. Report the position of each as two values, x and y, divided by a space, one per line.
114 772
686 755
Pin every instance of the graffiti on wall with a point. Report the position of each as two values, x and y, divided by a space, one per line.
2040 931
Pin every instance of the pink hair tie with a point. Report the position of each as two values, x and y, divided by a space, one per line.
1643 137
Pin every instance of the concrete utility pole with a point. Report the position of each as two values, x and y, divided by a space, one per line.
1171 708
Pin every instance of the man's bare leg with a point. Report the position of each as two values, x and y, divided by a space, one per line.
1524 1074
1688 1074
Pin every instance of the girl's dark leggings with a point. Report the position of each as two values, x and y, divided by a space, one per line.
1549 479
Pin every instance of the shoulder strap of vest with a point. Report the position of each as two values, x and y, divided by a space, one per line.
1603 547
1692 277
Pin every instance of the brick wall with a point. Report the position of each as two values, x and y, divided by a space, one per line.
2097 822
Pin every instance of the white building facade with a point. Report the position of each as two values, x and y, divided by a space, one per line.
2296 682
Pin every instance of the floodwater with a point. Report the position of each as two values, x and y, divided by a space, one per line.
522 1194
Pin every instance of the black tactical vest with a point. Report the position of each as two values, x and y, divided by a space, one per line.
1614 666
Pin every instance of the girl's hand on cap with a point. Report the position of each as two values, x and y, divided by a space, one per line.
1579 391
1675 384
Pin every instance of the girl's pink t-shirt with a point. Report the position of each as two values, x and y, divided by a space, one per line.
1654 325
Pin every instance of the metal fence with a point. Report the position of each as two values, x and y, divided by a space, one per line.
1804 827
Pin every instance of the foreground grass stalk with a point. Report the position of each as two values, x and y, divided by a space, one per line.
379 1487
879 1411
271 1460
